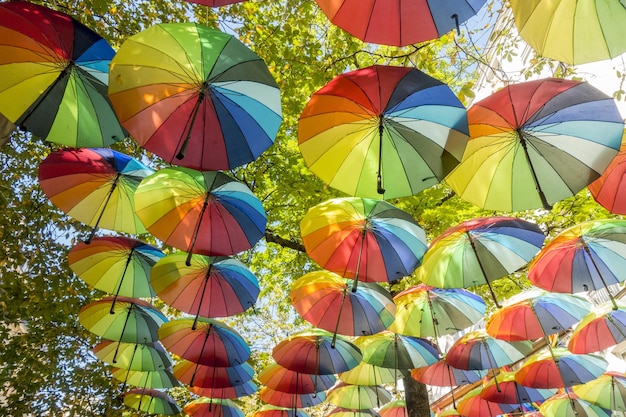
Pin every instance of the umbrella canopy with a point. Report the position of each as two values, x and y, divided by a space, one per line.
200 212
146 379
369 375
441 374
212 407
293 401
210 342
195 96
358 397
600 329
325 300
588 256
344 412
316 351
609 190
535 317
479 251
569 405
392 350
151 401
126 320
558 368
535 143
573 32
94 186
282 379
473 405
400 23
133 356
478 350
115 264
53 77
425 311
196 375
209 287
607 391
504 389
237 391
269 410
395 408
383 132
362 238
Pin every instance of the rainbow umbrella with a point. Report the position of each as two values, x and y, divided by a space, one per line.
395 408
383 132
316 351
358 397
212 407
345 412
293 401
196 375
609 190
325 300
473 405
237 391
151 401
504 389
573 32
361 238
209 287
425 311
200 212
195 96
53 77
600 329
369 375
607 391
207 342
115 264
269 410
479 251
161 379
569 405
536 143
94 186
282 379
133 356
441 374
588 256
391 350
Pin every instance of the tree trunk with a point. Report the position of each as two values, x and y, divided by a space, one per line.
416 397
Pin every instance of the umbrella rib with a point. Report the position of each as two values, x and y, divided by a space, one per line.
482 268
593 262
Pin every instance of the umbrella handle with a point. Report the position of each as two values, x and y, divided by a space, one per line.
379 178
194 114
119 286
206 282
104 206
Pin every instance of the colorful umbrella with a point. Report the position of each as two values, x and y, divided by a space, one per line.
441 374
269 410
607 391
94 186
588 256
200 212
600 329
608 190
395 351
558 368
195 96
358 397
151 401
473 405
399 23
366 374
479 251
210 342
133 356
344 412
383 132
325 300
316 351
196 375
53 77
209 287
424 311
282 379
535 143
127 320
541 314
573 32
237 391
569 405
212 407
146 379
294 401
365 239
395 408
115 264
504 389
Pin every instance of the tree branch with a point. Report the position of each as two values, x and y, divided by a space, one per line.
286 243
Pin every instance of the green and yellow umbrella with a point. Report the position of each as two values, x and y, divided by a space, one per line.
151 401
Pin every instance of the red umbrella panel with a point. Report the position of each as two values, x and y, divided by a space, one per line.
196 375
610 189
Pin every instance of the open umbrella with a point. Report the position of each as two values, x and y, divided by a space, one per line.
425 311
569 405
195 96
196 375
151 401
382 131
133 356
200 212
117 265
607 391
269 410
325 300
609 190
209 287
588 256
399 23
395 408
210 342
212 407
358 397
473 405
94 186
282 379
600 329
504 389
441 374
237 391
344 412
369 375
479 251
362 238
53 77
161 379
395 351
293 401
573 32
535 143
